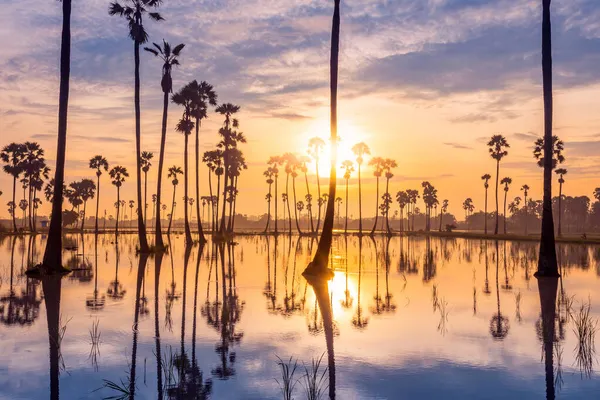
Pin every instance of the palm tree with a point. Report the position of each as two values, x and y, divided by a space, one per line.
228 141
557 148
205 95
525 189
387 198
561 172
185 97
12 155
269 173
497 148
339 203
275 162
117 175
213 160
169 58
308 197
413 195
442 211
98 163
290 160
315 147
360 150
378 164
319 264
547 265
402 199
486 178
174 172
133 11
295 164
146 164
153 206
506 182
348 167
87 190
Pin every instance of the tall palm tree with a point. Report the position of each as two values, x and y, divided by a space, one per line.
387 198
174 172
185 97
295 165
561 172
304 169
360 150
133 11
12 155
87 190
547 265
486 178
497 148
213 160
319 264
205 95
275 162
169 58
413 195
146 157
315 148
339 204
98 163
442 211
117 175
290 160
228 135
506 182
269 173
377 163
348 167
525 188
403 200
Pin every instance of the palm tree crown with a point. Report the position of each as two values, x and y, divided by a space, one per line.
169 58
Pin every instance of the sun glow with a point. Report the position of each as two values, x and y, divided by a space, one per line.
348 135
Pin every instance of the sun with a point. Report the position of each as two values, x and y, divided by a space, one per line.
348 135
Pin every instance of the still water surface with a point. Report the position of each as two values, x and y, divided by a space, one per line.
409 318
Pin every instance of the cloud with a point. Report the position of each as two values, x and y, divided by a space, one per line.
458 146
290 116
528 137
474 117
104 139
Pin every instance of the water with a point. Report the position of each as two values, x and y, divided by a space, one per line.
411 318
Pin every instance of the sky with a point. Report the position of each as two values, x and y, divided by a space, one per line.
425 82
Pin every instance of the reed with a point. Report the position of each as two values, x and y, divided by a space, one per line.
288 382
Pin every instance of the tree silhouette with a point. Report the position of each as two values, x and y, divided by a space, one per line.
486 178
348 167
269 173
214 161
525 189
338 200
98 163
174 172
133 11
506 182
497 148
378 164
442 211
169 57
547 265
561 172
12 155
387 198
403 200
87 191
360 150
117 175
315 148
146 157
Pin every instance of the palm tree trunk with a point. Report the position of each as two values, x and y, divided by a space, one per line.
346 223
526 214
53 252
559 209
216 216
485 218
83 218
226 179
158 241
144 248
359 202
212 206
287 191
201 236
497 209
276 178
118 209
145 198
295 206
14 199
441 217
268 210
320 260
97 205
547 265
504 215
387 212
188 232
376 208
234 205
157 267
172 211
29 205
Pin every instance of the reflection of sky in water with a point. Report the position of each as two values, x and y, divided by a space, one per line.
400 345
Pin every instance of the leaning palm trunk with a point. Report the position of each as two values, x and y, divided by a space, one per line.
547 265
144 248
53 252
201 236
320 261
158 241
188 232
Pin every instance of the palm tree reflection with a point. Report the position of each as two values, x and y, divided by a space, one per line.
359 320
499 324
95 302
547 287
348 299
116 291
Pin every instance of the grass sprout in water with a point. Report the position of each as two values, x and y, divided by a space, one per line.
315 382
288 383
95 343
585 331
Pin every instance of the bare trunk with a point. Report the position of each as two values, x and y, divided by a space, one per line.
309 206
97 205
201 236
359 203
172 210
485 219
497 209
144 248
188 232
376 208
158 240
318 193
346 223
295 206
14 199
559 210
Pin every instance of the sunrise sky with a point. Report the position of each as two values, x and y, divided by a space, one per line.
425 82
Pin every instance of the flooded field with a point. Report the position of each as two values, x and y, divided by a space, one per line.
405 318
